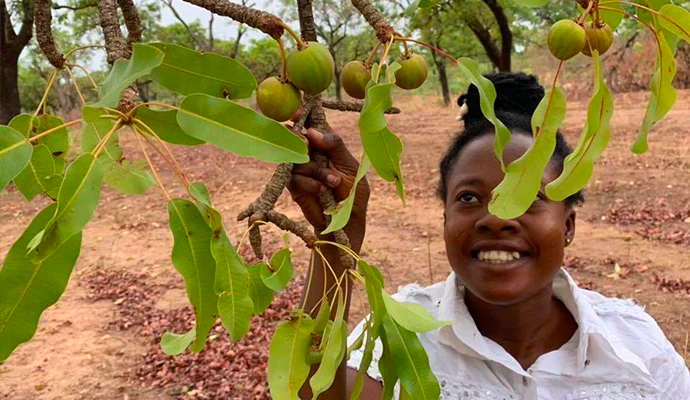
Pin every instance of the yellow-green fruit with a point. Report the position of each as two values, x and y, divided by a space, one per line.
601 39
566 39
354 78
412 73
278 100
311 68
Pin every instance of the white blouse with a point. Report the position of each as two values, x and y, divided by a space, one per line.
618 352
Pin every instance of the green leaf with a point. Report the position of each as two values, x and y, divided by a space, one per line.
93 133
282 271
203 200
411 362
262 295
487 97
26 124
680 16
174 344
342 215
532 3
192 257
232 286
333 354
612 18
381 145
57 142
288 368
76 202
186 71
419 4
579 165
374 288
663 95
239 129
91 114
15 154
648 17
129 178
124 72
411 316
516 193
39 176
28 288
389 375
164 124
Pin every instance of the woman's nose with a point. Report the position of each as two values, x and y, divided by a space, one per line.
491 223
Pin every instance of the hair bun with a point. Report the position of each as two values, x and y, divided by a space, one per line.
516 93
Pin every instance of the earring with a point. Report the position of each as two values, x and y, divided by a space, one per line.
568 240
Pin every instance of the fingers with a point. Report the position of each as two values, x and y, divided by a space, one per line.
334 146
325 176
301 185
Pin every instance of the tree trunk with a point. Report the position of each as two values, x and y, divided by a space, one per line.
10 105
443 79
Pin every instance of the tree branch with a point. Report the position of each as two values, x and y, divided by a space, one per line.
352 105
44 33
74 8
191 33
506 33
211 40
25 32
261 20
484 36
115 44
374 17
132 21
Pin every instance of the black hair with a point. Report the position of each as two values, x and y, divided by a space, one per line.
517 96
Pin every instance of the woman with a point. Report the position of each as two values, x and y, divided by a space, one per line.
522 328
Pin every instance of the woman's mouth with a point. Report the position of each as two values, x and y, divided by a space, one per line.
497 256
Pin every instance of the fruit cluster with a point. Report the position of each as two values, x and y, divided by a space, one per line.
310 70
567 38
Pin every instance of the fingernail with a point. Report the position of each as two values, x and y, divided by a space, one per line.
315 133
333 180
323 189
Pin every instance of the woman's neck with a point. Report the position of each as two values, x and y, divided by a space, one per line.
526 330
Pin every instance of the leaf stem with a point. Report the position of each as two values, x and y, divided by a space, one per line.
51 130
436 49
340 246
74 83
101 145
283 58
88 75
312 259
153 169
370 59
651 10
152 103
298 39
93 46
586 13
49 86
384 57
169 159
118 112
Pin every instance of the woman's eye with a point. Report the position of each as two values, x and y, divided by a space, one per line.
539 197
468 198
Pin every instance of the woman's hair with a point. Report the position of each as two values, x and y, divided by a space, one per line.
517 96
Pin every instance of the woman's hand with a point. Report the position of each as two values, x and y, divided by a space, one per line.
308 180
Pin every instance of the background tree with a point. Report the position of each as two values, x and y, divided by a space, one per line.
14 37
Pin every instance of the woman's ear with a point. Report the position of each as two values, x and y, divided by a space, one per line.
570 217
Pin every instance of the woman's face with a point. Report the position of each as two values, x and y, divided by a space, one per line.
502 262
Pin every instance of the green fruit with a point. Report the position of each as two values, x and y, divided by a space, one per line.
277 99
354 77
601 39
412 73
566 39
311 68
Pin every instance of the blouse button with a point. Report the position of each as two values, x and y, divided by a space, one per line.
524 381
587 362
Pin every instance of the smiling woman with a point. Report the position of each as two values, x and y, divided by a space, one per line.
521 328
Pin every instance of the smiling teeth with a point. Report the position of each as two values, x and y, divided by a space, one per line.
498 256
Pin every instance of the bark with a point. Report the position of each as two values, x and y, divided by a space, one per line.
506 34
336 72
261 20
10 105
115 43
374 17
134 27
443 79
44 33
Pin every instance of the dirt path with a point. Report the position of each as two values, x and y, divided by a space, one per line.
77 354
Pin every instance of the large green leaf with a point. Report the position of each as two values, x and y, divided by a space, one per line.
645 15
129 178
232 286
516 193
389 375
214 220
39 176
282 273
663 95
91 136
186 71
342 215
532 3
239 129
680 16
579 165
487 97
288 368
15 154
57 142
192 257
411 316
26 124
335 344
261 295
612 18
27 288
381 145
164 124
124 72
411 362
374 288
174 344
77 200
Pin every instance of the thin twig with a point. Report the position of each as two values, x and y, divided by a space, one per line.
351 105
152 167
44 33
